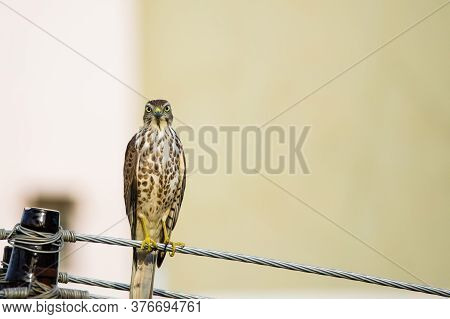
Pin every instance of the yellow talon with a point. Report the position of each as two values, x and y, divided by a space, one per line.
168 242
175 244
148 244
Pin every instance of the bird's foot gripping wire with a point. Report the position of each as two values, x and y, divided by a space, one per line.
167 240
174 245
149 244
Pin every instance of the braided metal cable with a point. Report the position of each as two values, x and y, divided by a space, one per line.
271 263
66 235
66 278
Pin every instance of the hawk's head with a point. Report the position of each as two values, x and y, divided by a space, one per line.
158 112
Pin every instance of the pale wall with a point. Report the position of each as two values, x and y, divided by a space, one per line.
378 147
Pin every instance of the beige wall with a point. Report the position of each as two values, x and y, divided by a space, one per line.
378 148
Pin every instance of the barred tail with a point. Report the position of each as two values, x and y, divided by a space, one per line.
143 274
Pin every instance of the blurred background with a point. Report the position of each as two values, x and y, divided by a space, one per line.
74 79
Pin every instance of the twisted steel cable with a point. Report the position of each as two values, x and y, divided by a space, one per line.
66 278
73 237
269 262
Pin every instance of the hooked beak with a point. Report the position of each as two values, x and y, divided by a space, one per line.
157 112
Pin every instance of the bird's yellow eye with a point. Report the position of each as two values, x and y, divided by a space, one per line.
167 108
148 108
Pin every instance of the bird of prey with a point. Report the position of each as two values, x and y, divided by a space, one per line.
154 183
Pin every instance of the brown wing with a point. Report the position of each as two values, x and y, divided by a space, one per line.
130 184
176 205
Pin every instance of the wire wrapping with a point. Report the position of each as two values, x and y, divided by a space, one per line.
72 237
38 290
3 234
23 237
15 293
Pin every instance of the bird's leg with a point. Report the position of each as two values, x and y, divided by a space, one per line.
167 240
148 243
